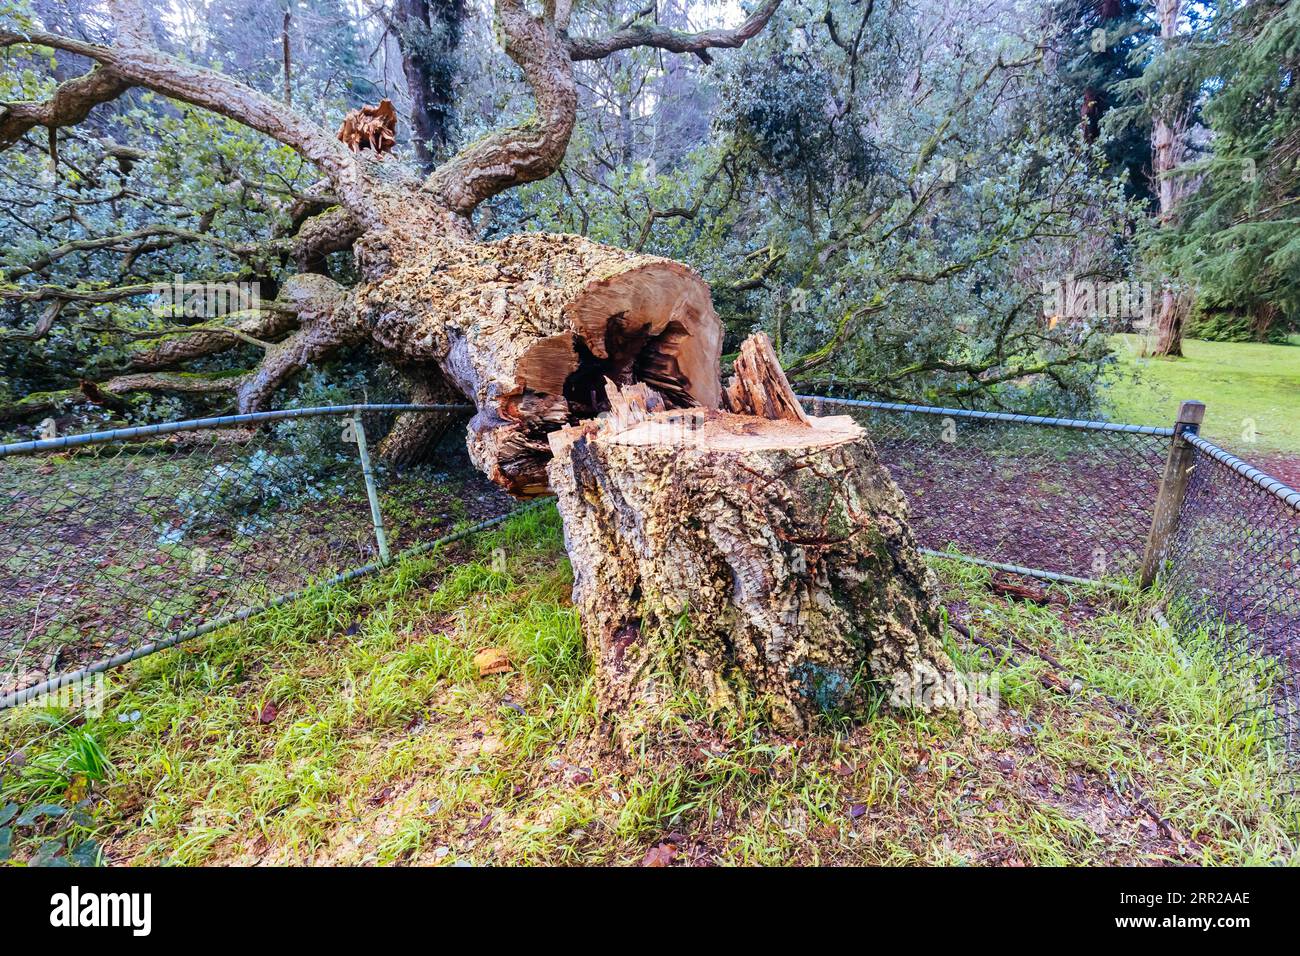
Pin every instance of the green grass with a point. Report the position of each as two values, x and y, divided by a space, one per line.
1240 384
354 727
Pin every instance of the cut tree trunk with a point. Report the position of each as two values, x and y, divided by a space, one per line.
741 559
529 328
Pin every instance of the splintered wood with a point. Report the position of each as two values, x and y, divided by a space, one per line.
759 386
532 327
370 127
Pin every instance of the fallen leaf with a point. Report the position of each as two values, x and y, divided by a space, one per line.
661 855
269 710
492 660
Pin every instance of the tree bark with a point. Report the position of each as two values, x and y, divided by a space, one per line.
527 327
428 33
530 326
745 561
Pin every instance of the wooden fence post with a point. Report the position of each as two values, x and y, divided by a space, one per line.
1173 486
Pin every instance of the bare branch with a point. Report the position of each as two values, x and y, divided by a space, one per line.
137 63
527 152
675 41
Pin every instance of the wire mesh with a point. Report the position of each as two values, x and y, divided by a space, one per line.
1233 566
119 543
1057 495
111 544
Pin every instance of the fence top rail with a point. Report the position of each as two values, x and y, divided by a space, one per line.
997 416
1283 492
194 424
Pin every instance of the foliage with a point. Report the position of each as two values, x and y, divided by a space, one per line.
239 492
1099 49
877 199
884 187
46 802
1237 235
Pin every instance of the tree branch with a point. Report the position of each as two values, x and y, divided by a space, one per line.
71 103
137 63
243 251
527 152
674 41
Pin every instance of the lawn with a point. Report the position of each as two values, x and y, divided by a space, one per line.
356 727
1241 384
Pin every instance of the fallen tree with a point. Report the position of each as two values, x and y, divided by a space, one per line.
527 327
780 541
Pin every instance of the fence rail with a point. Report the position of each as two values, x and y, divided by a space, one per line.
120 543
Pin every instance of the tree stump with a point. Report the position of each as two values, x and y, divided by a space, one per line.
743 558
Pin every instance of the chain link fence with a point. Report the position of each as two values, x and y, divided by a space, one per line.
1070 498
120 543
1233 565
117 544
1077 500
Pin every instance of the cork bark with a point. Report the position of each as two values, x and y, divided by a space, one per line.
530 327
744 559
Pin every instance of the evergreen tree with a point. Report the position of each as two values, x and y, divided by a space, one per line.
1237 235
1100 46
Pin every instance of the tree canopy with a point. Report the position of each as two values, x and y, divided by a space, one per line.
886 187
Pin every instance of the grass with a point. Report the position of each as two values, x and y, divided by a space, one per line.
1248 390
354 727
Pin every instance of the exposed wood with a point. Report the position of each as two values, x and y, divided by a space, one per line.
1025 592
759 387
530 328
370 127
743 560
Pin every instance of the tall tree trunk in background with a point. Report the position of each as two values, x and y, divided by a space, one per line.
286 55
428 33
1168 129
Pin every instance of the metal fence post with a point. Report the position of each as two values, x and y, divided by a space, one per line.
1173 487
376 519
